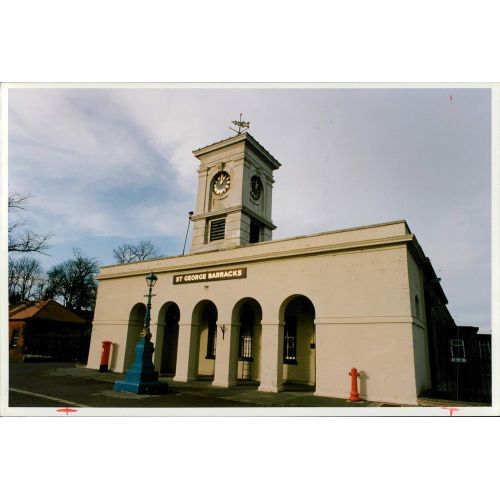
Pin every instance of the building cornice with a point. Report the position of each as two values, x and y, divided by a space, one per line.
244 137
236 208
207 261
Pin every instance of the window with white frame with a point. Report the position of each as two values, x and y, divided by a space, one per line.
14 338
484 350
457 351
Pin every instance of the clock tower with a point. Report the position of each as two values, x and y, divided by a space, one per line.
233 207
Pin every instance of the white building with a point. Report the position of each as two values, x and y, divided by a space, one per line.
305 309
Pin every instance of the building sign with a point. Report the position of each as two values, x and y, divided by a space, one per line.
226 274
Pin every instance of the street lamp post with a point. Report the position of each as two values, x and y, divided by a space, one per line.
151 280
141 377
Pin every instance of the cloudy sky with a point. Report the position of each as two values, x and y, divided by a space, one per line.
112 166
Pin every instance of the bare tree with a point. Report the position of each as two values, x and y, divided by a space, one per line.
26 280
126 253
74 281
24 240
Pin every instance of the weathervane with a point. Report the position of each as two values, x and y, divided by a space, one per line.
242 126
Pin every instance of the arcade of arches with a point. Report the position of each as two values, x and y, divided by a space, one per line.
296 319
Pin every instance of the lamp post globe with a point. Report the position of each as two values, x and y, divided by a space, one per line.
151 279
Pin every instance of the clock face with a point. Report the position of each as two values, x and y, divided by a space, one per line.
255 187
221 183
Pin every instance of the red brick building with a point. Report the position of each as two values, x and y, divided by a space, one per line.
46 329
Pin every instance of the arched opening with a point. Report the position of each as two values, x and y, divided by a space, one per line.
205 316
299 344
135 326
247 317
168 337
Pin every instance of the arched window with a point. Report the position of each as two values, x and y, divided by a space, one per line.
290 340
246 333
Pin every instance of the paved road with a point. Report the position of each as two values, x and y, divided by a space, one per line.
48 384
40 382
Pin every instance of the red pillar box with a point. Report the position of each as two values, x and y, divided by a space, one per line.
354 395
106 348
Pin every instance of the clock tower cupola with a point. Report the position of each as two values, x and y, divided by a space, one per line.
233 206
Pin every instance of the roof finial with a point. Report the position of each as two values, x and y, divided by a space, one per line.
242 126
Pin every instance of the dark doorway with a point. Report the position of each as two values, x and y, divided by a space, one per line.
205 316
170 340
299 344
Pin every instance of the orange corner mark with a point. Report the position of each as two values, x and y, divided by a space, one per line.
67 410
451 410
